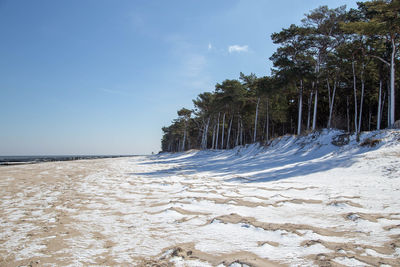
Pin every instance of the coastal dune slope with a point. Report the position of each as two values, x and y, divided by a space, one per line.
298 201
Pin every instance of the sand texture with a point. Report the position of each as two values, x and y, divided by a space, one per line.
245 207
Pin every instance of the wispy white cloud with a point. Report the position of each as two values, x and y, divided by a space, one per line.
191 63
194 64
238 48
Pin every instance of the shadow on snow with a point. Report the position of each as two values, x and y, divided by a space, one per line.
289 157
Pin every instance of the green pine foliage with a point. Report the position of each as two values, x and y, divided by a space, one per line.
342 56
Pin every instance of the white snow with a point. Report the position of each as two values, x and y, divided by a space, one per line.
144 205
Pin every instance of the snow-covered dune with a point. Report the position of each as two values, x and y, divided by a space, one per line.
297 201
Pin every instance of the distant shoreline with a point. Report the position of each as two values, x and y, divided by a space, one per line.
20 160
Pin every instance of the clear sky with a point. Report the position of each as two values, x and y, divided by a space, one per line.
103 77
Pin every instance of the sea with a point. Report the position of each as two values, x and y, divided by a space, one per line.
16 160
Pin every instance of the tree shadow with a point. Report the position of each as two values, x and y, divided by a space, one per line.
256 163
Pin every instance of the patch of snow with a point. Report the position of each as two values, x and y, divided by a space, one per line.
295 191
346 261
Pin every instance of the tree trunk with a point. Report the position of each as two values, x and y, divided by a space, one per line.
378 119
362 98
267 136
238 132
241 132
309 110
300 107
331 101
389 104
184 138
255 121
355 96
202 135
223 132
348 114
229 133
216 139
315 110
392 80
213 137
383 104
205 133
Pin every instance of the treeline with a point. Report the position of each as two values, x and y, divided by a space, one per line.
334 70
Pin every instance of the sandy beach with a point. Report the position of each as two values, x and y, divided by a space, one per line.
247 206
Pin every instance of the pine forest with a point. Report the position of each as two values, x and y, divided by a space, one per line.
335 69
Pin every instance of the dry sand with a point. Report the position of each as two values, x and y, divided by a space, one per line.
104 212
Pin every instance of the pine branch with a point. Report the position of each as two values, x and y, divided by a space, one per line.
381 59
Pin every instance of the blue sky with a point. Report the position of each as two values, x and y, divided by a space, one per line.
103 77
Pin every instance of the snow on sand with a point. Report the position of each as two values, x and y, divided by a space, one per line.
299 201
